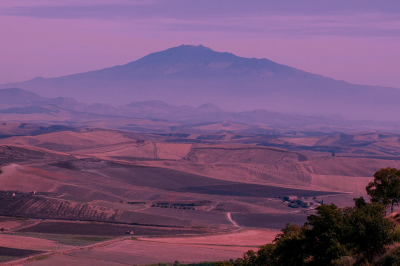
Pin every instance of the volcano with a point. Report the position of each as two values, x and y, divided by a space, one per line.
195 75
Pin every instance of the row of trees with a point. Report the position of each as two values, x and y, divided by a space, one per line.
349 236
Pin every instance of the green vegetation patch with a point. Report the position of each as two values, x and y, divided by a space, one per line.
393 259
36 258
177 263
7 254
71 240
7 258
136 202
358 235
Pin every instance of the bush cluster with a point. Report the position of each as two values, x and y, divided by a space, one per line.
331 237
358 235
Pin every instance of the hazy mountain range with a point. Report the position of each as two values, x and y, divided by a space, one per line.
18 105
194 75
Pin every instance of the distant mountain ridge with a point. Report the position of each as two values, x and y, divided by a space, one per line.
194 75
18 105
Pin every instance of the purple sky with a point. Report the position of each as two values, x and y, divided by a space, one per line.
357 41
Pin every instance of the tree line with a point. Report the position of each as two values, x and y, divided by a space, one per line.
358 235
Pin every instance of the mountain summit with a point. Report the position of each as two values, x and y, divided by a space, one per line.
194 75
199 61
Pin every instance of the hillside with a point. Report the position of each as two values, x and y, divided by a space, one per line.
84 185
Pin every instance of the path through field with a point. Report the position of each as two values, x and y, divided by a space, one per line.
228 215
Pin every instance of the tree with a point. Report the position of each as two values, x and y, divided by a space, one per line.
335 236
249 259
393 258
369 230
326 241
288 250
385 188
290 247
332 236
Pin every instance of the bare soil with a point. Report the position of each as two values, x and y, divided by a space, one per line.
141 253
269 220
187 184
183 182
104 229
16 252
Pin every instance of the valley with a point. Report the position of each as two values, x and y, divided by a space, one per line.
78 186
199 133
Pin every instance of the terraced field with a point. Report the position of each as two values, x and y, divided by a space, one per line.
32 206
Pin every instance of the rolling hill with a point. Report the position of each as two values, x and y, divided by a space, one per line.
18 105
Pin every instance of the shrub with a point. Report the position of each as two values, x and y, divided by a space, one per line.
344 261
326 241
358 235
331 237
396 233
36 258
370 231
393 259
223 263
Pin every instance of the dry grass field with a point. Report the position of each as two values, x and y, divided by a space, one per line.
223 192
133 252
32 243
242 240
145 250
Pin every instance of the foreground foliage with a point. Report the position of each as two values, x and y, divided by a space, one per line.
385 188
358 235
332 234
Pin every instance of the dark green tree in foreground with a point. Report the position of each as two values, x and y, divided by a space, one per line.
357 235
369 231
385 188
328 237
361 231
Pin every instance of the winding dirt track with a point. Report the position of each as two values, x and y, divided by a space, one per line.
228 215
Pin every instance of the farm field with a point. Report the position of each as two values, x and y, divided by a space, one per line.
140 253
19 245
197 193
103 229
144 250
